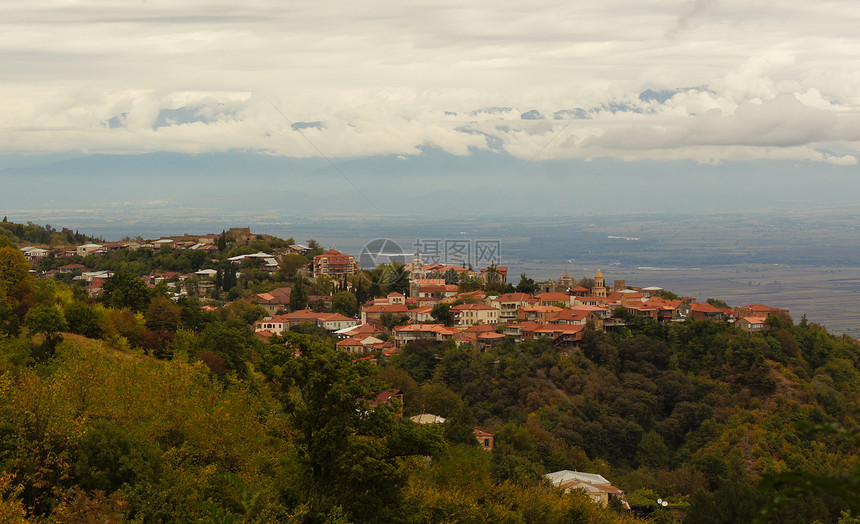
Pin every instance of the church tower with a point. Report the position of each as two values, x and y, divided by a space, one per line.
599 289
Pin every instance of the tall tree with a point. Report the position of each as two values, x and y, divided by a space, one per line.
345 303
442 313
299 293
126 290
348 449
13 269
526 285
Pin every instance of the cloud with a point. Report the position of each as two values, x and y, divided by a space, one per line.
556 79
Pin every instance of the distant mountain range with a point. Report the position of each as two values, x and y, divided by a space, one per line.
433 182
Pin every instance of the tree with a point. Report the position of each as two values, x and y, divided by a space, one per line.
348 450
162 314
390 321
345 303
247 312
717 303
468 283
324 285
441 313
109 456
653 452
290 264
299 293
48 321
45 320
9 321
13 269
124 323
126 290
231 341
83 319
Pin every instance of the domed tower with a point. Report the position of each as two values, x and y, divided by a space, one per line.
565 283
599 289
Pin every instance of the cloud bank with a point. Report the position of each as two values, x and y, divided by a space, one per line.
704 80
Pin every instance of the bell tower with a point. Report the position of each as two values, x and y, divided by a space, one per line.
599 289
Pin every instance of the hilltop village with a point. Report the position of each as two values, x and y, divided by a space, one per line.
425 302
239 376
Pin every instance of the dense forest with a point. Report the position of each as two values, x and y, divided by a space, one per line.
136 407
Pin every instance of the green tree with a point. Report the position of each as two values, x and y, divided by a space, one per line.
468 283
45 320
324 285
162 314
9 321
231 341
83 319
247 312
110 456
124 289
222 241
13 269
441 313
299 293
123 323
391 321
653 452
345 303
290 264
348 450
717 303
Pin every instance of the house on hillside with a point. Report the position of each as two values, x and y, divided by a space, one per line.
487 441
87 249
374 313
274 301
598 489
753 324
761 310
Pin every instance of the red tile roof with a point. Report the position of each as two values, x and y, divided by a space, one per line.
386 308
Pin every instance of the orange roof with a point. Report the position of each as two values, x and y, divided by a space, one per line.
437 288
528 324
554 297
491 335
513 297
363 328
542 309
387 308
422 310
558 328
584 307
570 314
704 307
754 320
473 307
480 328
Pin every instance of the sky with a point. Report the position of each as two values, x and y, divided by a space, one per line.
704 81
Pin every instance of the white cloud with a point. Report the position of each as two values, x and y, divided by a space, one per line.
389 79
